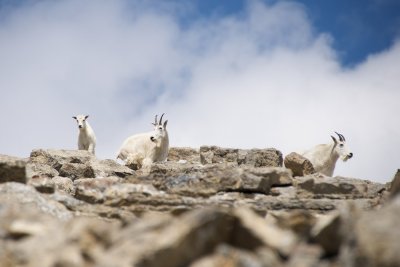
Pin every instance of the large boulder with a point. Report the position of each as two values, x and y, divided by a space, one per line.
12 169
299 165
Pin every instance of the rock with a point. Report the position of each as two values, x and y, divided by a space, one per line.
299 165
42 170
57 158
176 242
91 190
269 157
377 237
252 231
21 197
299 221
226 255
108 167
64 184
189 179
12 169
326 232
76 171
395 184
184 155
42 184
253 157
306 255
334 187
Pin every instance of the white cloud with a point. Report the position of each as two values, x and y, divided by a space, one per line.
259 79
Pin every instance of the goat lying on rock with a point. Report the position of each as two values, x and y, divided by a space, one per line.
86 137
145 148
324 157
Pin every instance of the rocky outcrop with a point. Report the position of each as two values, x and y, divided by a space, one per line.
208 207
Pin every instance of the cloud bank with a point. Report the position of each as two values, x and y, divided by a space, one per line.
261 78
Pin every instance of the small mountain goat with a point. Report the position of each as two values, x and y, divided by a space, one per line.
146 148
324 157
86 137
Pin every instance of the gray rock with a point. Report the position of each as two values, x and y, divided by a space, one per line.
395 184
24 197
12 169
189 179
377 237
332 187
254 157
184 154
326 232
299 165
76 171
176 242
108 167
41 170
42 184
92 190
57 158
64 184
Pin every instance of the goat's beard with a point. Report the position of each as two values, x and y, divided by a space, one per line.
345 158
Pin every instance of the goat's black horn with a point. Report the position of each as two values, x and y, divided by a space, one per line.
161 119
341 137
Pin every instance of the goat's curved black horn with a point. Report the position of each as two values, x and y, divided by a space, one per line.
341 137
161 119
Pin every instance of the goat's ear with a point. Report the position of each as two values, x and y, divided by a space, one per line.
334 139
87 116
165 124
74 117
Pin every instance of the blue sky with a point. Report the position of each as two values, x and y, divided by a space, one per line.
283 74
358 28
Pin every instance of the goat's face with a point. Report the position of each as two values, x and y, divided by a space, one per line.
160 128
341 147
81 120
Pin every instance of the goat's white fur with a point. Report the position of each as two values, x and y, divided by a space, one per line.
324 157
145 148
86 137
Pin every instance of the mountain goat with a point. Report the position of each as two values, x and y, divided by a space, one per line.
145 148
86 137
324 157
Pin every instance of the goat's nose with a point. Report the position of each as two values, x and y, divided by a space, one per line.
350 155
80 126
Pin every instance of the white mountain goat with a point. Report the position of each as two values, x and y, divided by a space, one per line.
86 137
324 157
146 148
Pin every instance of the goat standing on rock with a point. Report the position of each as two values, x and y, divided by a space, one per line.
324 157
145 148
86 138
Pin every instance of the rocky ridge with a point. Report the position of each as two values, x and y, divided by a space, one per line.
203 207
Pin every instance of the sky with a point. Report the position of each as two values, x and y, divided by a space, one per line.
232 73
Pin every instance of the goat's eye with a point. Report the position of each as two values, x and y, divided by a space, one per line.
160 128
341 145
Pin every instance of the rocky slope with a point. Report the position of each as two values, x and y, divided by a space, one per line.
207 207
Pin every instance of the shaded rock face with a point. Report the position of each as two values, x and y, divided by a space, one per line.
207 207
12 169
